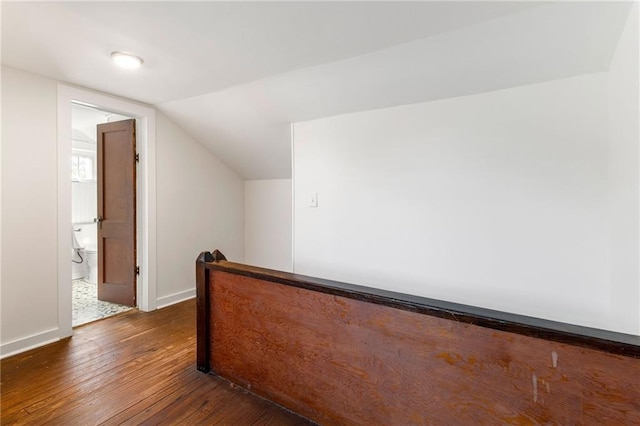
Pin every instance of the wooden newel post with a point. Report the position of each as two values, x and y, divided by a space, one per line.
203 306
202 315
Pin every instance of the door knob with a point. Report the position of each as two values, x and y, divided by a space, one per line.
98 220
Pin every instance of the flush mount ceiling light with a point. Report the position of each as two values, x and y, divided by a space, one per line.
126 60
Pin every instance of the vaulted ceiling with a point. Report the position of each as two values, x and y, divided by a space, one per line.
234 75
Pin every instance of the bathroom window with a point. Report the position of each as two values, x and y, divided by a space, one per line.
81 168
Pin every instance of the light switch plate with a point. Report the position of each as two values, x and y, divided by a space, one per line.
313 199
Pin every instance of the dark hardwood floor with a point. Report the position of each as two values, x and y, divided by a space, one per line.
135 368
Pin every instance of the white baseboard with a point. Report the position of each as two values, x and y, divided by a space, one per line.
36 340
172 299
30 342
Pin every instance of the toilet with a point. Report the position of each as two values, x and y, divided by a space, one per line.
78 266
84 252
90 254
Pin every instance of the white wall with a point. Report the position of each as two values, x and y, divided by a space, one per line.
624 180
29 204
267 223
496 200
84 201
199 207
1 204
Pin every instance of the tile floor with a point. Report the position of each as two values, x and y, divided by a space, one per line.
87 307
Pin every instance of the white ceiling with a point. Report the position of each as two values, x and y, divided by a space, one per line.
235 74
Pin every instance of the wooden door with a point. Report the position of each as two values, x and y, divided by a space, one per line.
117 212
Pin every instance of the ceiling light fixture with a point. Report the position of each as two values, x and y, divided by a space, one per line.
126 60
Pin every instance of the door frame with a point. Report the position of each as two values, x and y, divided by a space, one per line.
146 200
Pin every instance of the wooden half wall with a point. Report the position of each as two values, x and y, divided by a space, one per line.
341 354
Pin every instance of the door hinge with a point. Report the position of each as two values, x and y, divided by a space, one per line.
137 270
137 157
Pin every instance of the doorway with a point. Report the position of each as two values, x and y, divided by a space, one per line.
87 178
146 217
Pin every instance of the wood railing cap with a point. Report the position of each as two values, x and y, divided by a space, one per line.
605 340
206 257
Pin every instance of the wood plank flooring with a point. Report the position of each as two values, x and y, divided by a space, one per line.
135 368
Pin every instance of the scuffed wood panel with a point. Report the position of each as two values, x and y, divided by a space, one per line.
337 360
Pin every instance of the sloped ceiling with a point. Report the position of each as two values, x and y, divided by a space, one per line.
234 75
